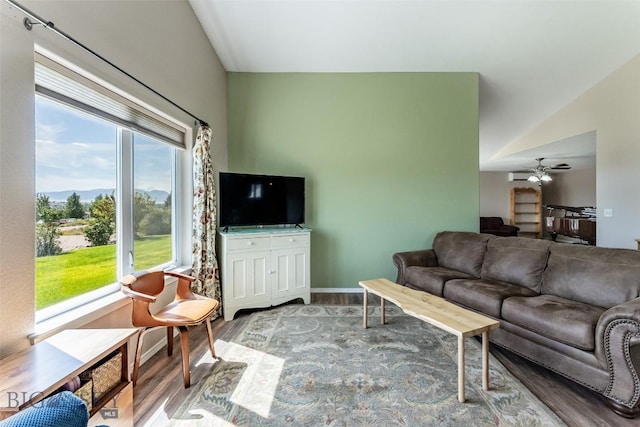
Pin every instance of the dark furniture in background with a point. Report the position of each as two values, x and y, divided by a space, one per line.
496 226
577 222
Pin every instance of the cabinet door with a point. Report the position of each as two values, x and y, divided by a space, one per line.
290 273
247 276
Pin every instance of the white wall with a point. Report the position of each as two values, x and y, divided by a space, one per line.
571 188
495 194
17 186
159 42
612 109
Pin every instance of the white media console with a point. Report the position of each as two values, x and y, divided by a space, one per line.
264 267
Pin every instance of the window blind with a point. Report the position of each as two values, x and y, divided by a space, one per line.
75 90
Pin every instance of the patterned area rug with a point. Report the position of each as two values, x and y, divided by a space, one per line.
316 365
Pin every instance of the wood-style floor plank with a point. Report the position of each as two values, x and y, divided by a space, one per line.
159 391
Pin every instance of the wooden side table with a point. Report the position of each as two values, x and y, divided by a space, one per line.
31 375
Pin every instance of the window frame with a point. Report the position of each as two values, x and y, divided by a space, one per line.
180 219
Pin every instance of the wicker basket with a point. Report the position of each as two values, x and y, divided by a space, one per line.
105 375
85 393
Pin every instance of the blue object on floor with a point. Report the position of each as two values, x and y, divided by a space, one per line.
61 409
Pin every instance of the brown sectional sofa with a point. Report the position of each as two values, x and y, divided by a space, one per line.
571 308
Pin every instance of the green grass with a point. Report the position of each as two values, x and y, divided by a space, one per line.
64 276
151 251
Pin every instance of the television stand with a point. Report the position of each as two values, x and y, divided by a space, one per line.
264 267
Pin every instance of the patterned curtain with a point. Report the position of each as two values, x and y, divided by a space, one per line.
205 264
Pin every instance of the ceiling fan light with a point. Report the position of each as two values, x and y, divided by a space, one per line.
533 178
546 178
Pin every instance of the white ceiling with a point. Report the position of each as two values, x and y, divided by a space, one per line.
533 57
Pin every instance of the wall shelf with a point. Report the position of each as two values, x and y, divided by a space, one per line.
525 212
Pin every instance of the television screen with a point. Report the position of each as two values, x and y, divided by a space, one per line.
247 199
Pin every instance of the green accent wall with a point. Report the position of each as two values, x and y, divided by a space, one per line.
390 159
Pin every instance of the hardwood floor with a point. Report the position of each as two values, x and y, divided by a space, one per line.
159 391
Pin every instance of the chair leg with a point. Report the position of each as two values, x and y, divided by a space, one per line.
184 345
136 363
169 340
210 336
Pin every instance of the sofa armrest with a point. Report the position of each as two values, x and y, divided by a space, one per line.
403 260
618 348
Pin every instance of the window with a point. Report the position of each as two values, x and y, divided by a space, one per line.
75 165
152 206
105 180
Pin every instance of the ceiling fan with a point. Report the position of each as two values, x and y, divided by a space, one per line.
540 167
540 173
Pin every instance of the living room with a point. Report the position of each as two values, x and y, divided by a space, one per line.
391 156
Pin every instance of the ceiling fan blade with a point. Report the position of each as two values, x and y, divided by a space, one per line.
561 166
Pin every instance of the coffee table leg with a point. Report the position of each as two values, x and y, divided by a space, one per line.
461 369
382 310
364 310
485 360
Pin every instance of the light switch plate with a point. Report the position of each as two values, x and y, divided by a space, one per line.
608 212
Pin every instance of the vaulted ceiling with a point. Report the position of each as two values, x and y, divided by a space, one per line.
533 57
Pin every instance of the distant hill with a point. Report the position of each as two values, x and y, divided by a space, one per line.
86 196
159 196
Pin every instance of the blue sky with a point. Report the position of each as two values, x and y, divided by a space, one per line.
77 151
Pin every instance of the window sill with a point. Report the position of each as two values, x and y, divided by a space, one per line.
86 313
79 316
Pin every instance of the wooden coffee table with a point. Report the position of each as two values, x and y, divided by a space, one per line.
438 312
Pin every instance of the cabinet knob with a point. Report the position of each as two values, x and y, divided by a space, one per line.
292 240
250 243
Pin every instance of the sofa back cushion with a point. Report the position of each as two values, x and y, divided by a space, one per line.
461 250
603 277
516 260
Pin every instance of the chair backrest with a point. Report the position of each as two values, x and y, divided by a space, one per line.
146 285
149 282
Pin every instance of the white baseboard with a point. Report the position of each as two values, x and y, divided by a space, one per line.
336 290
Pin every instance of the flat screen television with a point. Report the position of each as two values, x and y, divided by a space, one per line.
248 199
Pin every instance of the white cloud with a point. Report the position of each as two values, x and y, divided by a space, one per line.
49 132
77 166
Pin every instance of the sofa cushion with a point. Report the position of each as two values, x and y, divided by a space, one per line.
558 318
516 260
603 277
462 251
432 279
485 296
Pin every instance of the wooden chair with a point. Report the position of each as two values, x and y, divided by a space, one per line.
187 309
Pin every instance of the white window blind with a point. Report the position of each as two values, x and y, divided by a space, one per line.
69 87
